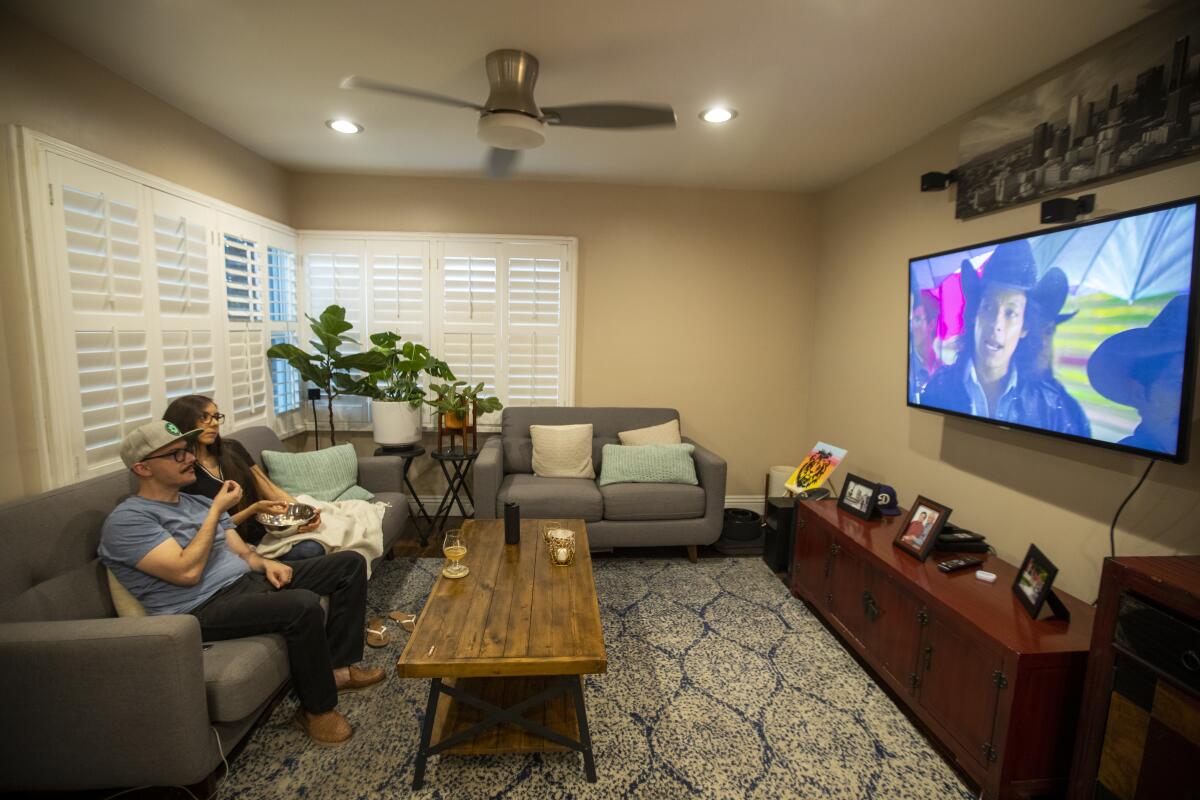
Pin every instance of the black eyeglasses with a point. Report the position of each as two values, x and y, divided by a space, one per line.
207 418
179 455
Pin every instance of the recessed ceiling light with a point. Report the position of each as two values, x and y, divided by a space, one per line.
344 126
718 114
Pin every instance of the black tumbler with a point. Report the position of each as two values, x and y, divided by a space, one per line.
512 523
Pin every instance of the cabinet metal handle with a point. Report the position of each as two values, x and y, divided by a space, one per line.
869 607
1190 660
928 657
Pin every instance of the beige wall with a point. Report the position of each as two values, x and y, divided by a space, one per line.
687 298
1011 486
54 90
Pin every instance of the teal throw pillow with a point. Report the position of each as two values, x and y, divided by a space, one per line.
356 492
648 463
325 474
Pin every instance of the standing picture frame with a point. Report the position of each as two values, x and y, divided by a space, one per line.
1032 585
859 496
921 527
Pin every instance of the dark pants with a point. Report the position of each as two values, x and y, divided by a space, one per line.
309 548
316 644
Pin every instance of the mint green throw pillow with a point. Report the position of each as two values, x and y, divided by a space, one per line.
648 463
327 474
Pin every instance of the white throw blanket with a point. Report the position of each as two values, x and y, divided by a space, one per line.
345 525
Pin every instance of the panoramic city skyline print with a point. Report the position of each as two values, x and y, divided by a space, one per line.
1133 106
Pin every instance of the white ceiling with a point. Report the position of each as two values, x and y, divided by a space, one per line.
824 88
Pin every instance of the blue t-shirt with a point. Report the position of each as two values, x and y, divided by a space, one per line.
139 525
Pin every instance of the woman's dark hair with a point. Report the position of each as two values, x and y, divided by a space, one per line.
185 413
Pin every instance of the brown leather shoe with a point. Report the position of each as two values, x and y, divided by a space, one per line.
329 729
361 679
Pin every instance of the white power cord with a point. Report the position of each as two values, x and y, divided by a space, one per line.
220 749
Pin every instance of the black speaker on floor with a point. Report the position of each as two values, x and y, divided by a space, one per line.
778 532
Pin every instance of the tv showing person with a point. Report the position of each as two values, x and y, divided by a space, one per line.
1143 368
923 358
988 379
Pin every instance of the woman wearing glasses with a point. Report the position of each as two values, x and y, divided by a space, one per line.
219 460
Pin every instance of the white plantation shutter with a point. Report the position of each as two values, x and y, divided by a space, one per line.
398 294
189 365
334 272
283 317
535 340
98 243
114 389
245 326
182 274
469 319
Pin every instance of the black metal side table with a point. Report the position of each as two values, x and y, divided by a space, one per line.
408 452
456 466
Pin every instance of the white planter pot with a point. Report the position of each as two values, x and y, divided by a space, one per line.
395 423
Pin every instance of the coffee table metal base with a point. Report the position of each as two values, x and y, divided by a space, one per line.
469 720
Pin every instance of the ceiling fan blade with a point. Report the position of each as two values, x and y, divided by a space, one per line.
501 162
611 115
359 82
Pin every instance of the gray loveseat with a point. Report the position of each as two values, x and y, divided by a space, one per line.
617 515
90 700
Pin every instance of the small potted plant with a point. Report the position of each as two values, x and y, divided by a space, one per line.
459 404
394 370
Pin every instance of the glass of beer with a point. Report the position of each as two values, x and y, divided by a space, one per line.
455 549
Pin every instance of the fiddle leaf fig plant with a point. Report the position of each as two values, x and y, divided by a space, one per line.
394 369
327 368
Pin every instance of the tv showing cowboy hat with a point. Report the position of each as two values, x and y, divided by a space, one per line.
1087 331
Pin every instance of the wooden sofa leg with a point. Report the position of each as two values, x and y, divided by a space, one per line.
692 557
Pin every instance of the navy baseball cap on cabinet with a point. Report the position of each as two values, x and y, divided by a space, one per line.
885 501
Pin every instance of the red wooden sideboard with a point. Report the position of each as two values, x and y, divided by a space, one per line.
998 689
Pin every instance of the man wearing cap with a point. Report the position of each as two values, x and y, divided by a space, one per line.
181 554
987 381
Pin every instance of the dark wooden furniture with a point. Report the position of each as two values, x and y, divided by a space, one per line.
1139 731
777 534
508 645
408 452
998 690
456 474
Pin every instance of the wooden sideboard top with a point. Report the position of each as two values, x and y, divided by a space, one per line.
989 606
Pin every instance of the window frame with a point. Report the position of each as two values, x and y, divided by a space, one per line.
363 242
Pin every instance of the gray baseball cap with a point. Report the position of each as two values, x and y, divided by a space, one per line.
148 437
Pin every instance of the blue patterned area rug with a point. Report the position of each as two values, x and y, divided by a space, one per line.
720 684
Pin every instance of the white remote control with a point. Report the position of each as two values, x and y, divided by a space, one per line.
985 576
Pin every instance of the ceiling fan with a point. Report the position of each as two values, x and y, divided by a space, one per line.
510 121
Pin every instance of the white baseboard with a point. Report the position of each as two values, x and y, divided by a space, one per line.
754 502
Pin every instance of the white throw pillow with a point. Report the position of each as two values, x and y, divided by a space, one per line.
126 604
562 451
667 433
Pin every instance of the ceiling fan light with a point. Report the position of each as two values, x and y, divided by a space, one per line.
717 115
510 131
344 126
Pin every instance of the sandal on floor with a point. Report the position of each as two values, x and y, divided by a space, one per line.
377 633
407 621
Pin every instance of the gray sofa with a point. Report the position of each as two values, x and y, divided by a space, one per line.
90 700
617 515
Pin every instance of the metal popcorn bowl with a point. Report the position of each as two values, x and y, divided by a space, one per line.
288 522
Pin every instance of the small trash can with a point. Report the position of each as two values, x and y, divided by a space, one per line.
742 533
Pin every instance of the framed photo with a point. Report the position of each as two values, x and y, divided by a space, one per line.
1034 578
858 496
921 527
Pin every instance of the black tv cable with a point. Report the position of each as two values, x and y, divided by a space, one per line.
1112 529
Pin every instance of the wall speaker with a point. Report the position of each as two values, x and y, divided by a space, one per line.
1066 209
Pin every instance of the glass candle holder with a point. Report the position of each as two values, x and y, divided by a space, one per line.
548 525
562 547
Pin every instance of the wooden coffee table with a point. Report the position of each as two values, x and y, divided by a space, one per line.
508 645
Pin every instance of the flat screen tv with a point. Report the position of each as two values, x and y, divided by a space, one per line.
1086 332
